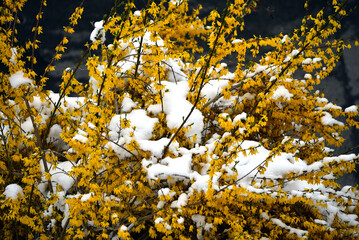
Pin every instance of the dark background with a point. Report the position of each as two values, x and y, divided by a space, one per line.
270 18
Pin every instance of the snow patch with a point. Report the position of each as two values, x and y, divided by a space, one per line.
18 79
282 92
98 33
13 191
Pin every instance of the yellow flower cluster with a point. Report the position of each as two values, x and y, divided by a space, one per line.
165 142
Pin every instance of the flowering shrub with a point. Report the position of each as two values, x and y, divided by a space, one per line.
164 141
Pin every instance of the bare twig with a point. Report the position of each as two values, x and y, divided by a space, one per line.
39 142
203 71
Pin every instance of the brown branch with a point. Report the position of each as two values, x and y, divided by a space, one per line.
38 141
111 58
35 34
203 70
53 58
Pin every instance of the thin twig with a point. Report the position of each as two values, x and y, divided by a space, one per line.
38 16
203 70
39 142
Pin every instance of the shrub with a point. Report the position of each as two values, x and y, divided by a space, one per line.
164 141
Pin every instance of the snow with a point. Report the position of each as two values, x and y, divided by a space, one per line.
315 60
60 175
166 192
240 117
123 228
66 215
294 53
328 120
51 224
307 76
264 215
155 108
180 166
137 13
177 108
260 68
287 59
86 197
154 146
55 138
147 41
127 104
300 233
351 109
18 79
176 2
174 69
200 223
80 138
199 219
181 201
237 41
98 33
213 88
138 124
13 55
27 125
48 212
13 191
297 187
282 92
322 222
158 220
348 157
285 39
330 106
307 61
161 221
277 168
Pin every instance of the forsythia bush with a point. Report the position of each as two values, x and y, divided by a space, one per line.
165 142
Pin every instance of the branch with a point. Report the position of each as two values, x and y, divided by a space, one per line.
38 142
203 70
38 16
